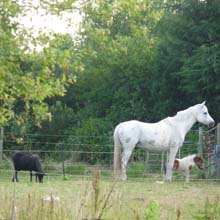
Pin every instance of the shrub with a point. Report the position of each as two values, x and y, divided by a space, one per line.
153 212
93 138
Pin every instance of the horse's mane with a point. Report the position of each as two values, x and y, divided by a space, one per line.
181 115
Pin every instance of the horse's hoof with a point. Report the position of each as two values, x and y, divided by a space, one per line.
168 179
124 178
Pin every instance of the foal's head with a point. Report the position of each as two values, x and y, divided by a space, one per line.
198 161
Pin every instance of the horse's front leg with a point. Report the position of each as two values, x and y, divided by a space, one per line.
172 155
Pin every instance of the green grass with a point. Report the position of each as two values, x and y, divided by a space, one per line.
80 199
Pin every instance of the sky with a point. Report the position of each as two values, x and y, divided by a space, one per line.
38 21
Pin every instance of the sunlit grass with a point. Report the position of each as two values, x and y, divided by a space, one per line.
129 200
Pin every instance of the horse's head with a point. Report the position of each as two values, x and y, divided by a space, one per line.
202 115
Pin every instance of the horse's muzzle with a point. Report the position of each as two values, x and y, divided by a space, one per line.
211 124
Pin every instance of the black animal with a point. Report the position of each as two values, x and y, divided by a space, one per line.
27 162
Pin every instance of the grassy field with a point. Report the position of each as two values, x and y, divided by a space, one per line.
81 198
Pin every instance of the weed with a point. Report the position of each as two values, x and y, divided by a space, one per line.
211 211
178 214
153 212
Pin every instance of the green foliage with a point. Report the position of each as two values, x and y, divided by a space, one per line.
136 169
153 213
92 138
79 169
131 59
211 211
27 78
187 56
117 52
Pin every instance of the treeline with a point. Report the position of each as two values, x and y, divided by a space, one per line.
131 59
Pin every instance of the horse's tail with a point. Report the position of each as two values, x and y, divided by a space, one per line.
117 154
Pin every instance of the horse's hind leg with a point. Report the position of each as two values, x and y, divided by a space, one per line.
126 154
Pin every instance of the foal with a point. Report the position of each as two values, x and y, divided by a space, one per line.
186 164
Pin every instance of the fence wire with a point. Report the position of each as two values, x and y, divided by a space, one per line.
81 156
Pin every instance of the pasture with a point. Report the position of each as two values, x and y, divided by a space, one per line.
96 197
74 190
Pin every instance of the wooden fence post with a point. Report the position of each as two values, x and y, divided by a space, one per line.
146 158
200 150
1 142
217 152
162 163
63 166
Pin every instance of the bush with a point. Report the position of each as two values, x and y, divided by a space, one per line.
136 169
93 139
153 212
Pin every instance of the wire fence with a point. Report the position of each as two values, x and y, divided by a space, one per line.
212 141
80 157
69 164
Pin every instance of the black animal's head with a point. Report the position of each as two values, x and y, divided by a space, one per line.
38 169
40 177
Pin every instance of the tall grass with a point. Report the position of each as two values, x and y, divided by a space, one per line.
103 199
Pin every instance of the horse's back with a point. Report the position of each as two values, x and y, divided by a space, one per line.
128 126
128 130
134 132
151 136
133 127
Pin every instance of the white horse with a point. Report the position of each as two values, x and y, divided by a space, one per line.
167 134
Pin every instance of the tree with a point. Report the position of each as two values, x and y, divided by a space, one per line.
27 77
117 53
186 61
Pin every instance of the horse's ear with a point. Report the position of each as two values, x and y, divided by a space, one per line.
203 103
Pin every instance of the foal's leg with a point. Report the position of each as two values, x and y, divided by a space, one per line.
187 175
172 155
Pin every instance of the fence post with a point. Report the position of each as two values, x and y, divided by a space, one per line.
1 142
62 159
217 152
146 161
200 150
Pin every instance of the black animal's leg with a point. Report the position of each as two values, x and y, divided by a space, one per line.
13 177
16 176
31 176
36 178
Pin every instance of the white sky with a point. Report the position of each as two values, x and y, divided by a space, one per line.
38 21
